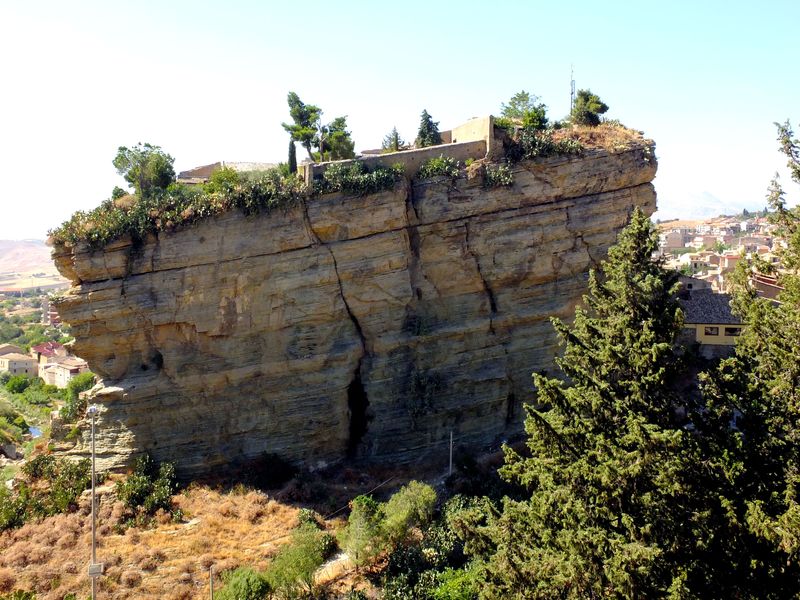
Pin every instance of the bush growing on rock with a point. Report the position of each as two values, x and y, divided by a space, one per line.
244 584
148 489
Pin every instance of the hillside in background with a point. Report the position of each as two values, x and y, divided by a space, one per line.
26 264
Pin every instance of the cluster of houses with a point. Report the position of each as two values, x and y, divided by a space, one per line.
49 360
707 252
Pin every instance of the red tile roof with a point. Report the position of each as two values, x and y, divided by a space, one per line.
47 348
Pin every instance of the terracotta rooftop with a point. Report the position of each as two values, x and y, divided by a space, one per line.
47 348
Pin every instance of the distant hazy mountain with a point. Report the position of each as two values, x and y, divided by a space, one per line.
25 257
698 206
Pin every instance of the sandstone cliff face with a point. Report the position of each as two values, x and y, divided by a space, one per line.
367 327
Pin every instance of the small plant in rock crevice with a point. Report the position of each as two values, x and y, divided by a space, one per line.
499 176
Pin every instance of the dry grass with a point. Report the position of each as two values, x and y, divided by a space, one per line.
170 560
610 136
221 529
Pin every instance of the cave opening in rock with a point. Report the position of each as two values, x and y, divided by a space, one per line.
357 403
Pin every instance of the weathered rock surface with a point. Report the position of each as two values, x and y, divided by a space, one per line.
368 326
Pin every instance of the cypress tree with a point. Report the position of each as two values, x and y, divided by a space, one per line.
292 157
750 423
610 464
428 134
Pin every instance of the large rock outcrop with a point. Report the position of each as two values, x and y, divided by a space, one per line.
367 326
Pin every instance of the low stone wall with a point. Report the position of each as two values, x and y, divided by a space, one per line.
411 160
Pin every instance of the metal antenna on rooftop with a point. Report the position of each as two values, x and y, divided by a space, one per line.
571 88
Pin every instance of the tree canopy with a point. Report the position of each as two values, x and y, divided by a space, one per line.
609 464
146 167
751 419
587 108
306 119
335 142
332 141
526 108
428 134
393 142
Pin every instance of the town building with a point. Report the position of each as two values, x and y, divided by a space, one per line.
708 320
18 364
61 372
201 175
10 349
46 353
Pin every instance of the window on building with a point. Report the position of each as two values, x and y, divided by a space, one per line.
712 330
732 331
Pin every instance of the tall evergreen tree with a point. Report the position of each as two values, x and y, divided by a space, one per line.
610 463
751 420
392 142
428 134
292 157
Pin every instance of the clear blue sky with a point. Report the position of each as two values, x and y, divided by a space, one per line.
208 81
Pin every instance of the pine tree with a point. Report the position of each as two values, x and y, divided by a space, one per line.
292 157
306 119
336 143
611 466
587 108
428 134
392 142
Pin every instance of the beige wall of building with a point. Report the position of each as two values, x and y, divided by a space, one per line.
715 334
18 364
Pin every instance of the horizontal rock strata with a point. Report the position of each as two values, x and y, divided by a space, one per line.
368 327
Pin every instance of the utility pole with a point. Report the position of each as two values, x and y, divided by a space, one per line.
450 471
95 568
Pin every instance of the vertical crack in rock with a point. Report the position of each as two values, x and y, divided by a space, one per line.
412 230
490 294
486 287
357 404
357 400
511 407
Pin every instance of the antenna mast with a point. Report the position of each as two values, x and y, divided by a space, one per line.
571 88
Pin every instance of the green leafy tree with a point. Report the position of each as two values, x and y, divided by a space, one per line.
292 157
335 142
146 167
244 583
526 108
223 181
411 506
612 469
18 384
428 134
306 117
291 572
74 407
362 539
587 108
118 193
392 142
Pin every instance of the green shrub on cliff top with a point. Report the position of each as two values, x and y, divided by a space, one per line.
178 205
354 178
441 166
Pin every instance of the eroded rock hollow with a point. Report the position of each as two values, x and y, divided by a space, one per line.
365 327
